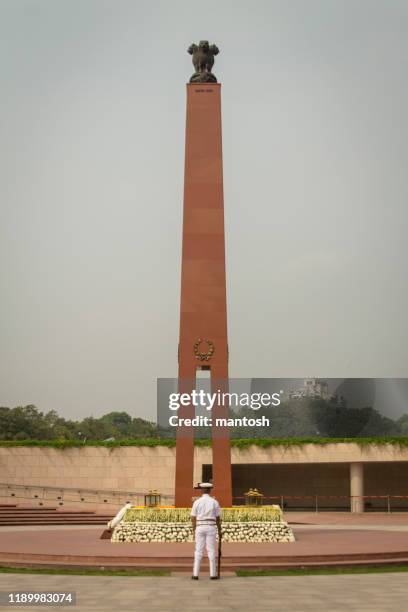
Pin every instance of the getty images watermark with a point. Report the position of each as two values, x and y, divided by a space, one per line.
285 407
206 402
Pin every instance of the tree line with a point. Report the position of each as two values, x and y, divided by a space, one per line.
29 423
293 418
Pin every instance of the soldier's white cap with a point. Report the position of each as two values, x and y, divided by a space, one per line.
204 485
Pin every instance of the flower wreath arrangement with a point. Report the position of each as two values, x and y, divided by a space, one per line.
201 355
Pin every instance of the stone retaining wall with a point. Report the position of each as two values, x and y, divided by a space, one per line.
141 468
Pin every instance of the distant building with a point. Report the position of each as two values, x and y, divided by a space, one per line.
313 388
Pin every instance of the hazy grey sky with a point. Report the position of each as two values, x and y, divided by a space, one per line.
315 98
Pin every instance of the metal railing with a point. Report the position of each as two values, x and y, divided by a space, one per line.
382 503
70 495
41 494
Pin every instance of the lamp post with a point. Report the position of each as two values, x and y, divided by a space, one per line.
253 498
152 499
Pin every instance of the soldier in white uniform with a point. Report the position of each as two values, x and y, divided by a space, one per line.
206 519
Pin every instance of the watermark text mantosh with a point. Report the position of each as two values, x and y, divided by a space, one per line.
205 421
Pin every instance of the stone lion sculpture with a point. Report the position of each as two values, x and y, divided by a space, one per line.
203 61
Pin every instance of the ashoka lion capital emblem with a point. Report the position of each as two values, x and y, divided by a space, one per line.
203 355
203 61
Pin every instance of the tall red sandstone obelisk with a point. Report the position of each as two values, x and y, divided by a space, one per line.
203 312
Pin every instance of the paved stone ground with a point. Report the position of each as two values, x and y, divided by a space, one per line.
84 546
354 593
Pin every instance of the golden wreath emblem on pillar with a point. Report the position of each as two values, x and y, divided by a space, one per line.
204 355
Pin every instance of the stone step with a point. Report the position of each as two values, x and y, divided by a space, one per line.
42 509
101 522
55 520
57 513
44 519
31 508
12 515
53 517
182 565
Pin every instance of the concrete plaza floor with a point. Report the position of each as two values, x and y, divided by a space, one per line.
315 544
357 593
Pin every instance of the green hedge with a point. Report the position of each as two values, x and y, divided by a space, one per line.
235 443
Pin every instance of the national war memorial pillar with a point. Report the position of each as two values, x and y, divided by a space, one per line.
203 343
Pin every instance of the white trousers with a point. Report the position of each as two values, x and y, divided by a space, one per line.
205 537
